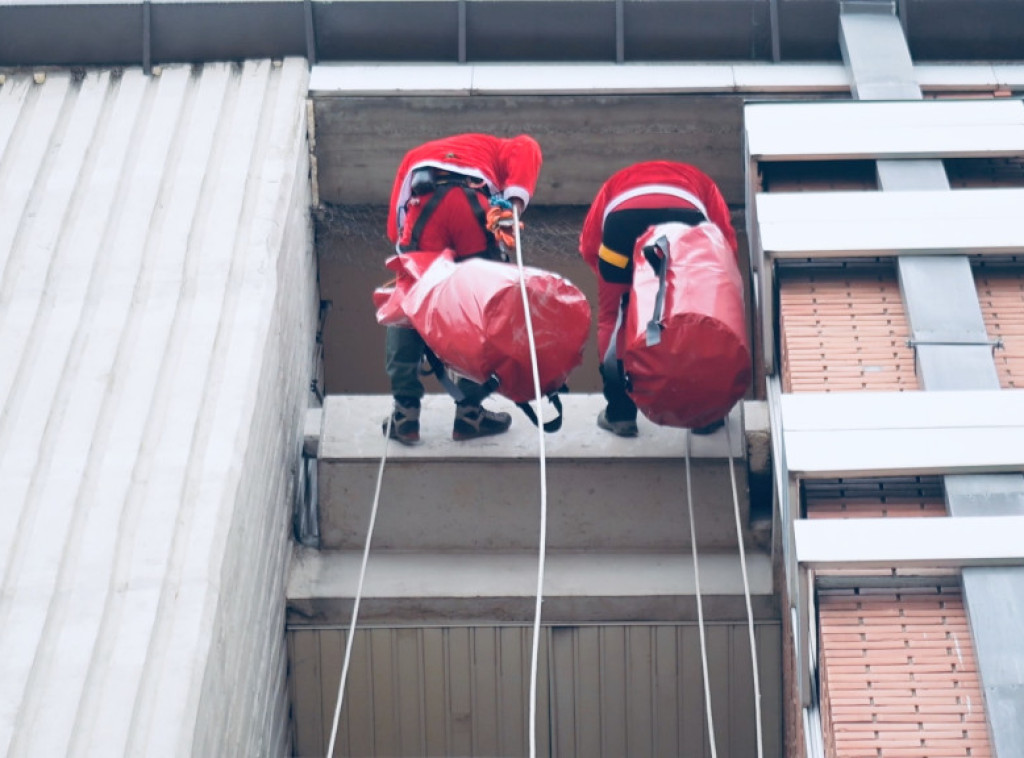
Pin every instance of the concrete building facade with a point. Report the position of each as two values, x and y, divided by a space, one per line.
191 387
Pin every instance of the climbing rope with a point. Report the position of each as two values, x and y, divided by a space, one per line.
746 593
359 591
542 549
700 603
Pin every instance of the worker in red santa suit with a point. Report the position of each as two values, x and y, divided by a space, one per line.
630 201
456 192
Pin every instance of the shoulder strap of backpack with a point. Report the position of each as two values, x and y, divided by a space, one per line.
657 255
611 366
428 210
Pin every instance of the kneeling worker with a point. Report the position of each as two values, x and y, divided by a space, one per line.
441 199
630 201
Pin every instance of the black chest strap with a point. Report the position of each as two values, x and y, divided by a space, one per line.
472 196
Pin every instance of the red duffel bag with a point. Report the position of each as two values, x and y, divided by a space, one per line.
470 314
685 352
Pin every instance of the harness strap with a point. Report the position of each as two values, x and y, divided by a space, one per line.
425 214
549 426
657 256
437 368
473 194
611 366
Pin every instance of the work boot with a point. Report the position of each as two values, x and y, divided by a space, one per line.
404 423
714 426
624 428
472 421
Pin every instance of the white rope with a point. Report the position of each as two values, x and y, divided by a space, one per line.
746 591
543 491
700 603
359 591
542 541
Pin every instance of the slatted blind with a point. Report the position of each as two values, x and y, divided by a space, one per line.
901 497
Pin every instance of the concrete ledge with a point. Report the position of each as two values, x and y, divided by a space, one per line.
602 492
499 587
351 431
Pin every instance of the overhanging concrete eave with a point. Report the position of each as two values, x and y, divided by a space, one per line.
625 112
350 79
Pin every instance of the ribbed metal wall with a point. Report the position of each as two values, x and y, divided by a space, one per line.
157 312
605 691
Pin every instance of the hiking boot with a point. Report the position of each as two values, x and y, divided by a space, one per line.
714 426
472 421
624 428
405 424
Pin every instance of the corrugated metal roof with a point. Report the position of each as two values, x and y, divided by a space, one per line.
144 222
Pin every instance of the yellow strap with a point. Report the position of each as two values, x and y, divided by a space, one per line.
610 256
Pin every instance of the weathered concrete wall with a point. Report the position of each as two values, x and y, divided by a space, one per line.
243 709
157 318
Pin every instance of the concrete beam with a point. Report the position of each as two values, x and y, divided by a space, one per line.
499 587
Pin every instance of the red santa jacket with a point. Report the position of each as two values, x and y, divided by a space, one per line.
508 166
654 177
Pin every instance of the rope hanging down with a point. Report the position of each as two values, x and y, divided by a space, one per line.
700 604
359 591
746 593
746 597
542 549
542 539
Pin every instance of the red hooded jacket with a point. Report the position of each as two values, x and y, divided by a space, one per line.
510 167
654 177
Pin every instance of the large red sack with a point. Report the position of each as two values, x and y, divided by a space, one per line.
470 314
701 366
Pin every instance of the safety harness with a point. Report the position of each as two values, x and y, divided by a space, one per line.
436 367
437 183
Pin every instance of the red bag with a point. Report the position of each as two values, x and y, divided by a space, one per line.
470 314
685 352
388 298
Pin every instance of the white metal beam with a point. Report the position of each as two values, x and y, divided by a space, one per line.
849 224
888 433
910 542
884 130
